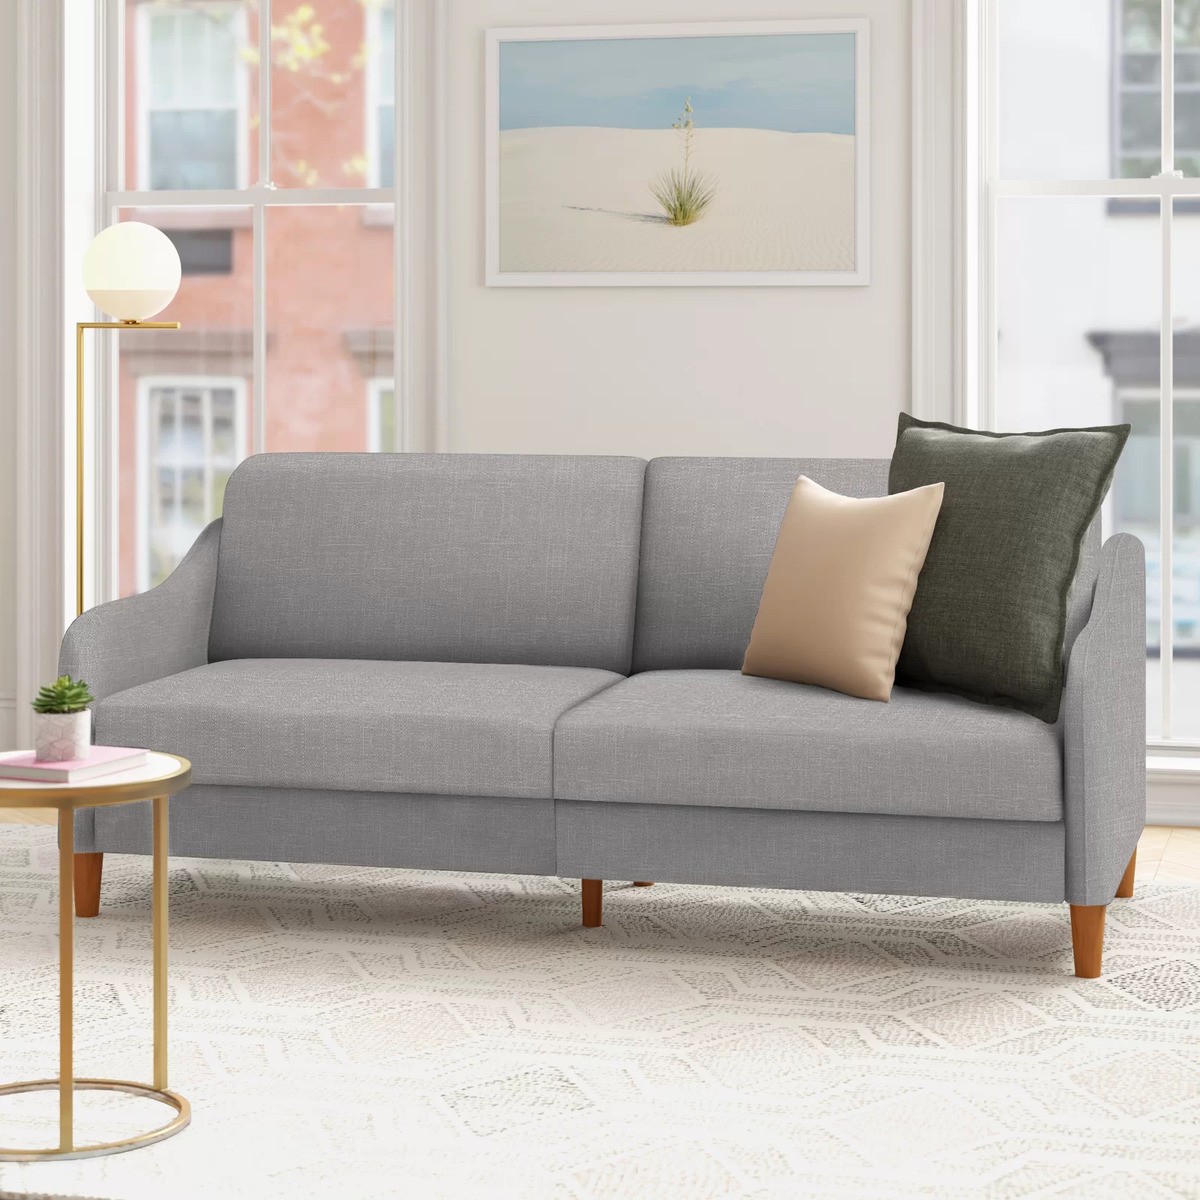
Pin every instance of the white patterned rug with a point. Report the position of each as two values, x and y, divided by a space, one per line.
363 1033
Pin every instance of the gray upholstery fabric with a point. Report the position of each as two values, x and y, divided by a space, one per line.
458 729
1083 587
485 730
368 829
127 642
842 852
708 532
441 558
726 739
1104 728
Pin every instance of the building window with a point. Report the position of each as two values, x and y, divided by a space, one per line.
1137 508
193 434
381 96
1137 132
192 97
203 251
381 416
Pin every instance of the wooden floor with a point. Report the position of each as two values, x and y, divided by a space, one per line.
1164 853
28 816
1167 854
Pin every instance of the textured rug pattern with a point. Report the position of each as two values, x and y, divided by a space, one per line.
367 1033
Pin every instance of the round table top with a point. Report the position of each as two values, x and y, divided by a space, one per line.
160 775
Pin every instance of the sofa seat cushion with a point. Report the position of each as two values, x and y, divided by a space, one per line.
449 729
725 739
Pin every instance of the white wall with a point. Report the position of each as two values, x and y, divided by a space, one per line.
649 371
8 374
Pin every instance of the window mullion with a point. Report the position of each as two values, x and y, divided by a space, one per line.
1166 429
264 93
1168 87
206 434
259 239
1166 424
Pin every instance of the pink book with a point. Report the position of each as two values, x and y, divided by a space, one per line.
103 760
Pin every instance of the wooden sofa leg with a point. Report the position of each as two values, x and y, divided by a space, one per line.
593 903
1125 887
1087 938
637 884
88 870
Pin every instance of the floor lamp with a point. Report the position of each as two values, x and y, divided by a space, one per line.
131 272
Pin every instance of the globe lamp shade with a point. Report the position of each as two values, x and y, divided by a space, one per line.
131 271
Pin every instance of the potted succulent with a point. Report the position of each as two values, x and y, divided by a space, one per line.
62 724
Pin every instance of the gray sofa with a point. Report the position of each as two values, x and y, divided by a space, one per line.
530 664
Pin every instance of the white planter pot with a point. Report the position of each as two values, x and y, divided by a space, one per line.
62 737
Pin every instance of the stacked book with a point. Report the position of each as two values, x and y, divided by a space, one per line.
103 760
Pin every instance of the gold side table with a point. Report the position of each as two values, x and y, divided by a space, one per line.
162 776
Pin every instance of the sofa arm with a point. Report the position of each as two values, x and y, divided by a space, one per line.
1104 728
127 642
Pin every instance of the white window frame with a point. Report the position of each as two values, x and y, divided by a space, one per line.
374 13
145 385
985 188
376 387
145 13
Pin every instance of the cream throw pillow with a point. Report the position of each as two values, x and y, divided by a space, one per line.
835 604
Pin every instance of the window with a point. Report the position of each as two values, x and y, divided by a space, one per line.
192 96
1138 129
381 96
287 237
1093 318
381 403
1137 511
203 251
192 433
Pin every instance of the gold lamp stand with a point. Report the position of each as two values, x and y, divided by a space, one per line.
68 800
79 328
131 271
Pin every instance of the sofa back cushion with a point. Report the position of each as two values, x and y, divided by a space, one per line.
708 532
430 557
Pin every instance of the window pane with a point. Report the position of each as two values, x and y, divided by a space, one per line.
160 60
190 94
191 150
387 147
184 404
1079 89
1187 68
1185 681
329 321
1078 313
1141 123
1187 123
386 434
331 71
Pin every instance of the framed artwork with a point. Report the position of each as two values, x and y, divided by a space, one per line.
727 154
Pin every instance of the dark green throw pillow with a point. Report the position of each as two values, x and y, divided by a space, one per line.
991 604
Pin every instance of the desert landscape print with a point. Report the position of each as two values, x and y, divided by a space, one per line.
685 155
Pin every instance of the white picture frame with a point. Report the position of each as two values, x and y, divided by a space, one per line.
858 275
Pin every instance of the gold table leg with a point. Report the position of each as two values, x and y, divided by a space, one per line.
66 1084
161 883
66 979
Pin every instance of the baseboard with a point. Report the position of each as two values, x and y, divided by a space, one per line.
8 723
1173 791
